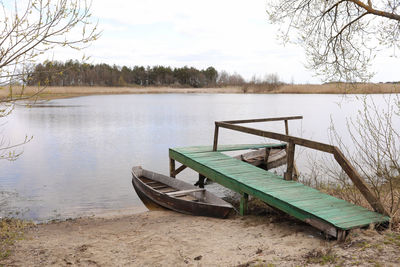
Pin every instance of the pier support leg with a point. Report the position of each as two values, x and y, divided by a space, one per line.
341 235
267 152
201 180
172 167
243 204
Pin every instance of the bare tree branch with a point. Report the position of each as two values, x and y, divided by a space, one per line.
340 37
32 29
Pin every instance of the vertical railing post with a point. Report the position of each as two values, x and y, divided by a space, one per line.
290 161
295 172
215 137
286 127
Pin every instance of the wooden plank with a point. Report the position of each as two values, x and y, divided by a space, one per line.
171 167
265 119
223 148
177 171
244 204
327 203
152 182
215 137
343 210
201 180
359 182
266 157
347 218
286 127
290 160
358 223
277 136
278 188
184 192
160 187
283 206
323 226
295 174
341 235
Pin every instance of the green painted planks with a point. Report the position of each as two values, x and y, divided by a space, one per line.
349 217
348 209
362 222
291 197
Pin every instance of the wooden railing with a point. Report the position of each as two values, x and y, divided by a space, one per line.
292 142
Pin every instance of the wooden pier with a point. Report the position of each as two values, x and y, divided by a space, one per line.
332 215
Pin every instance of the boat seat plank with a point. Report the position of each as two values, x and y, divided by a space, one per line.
160 187
152 182
184 192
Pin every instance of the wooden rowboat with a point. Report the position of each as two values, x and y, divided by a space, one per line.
177 195
265 158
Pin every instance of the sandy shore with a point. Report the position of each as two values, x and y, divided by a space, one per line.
166 238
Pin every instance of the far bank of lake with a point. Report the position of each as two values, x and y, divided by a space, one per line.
53 92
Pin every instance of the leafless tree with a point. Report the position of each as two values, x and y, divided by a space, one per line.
29 29
272 79
340 37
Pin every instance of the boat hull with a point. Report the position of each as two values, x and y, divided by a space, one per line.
205 203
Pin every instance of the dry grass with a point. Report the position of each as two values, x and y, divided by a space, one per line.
11 230
337 88
72 91
333 88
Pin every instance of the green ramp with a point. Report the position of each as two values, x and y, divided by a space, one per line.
332 215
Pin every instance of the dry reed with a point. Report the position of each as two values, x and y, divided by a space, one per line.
332 88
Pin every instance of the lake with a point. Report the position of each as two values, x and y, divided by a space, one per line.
79 160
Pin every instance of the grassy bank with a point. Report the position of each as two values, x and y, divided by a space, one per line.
74 91
333 88
11 230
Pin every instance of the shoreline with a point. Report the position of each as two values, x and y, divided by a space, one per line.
52 92
167 238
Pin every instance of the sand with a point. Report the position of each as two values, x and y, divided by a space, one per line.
167 238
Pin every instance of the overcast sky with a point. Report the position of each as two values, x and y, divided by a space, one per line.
230 35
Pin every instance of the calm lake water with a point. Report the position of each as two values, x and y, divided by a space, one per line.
82 151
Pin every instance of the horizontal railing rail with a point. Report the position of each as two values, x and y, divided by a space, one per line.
265 120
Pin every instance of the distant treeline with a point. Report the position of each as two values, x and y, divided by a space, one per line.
74 73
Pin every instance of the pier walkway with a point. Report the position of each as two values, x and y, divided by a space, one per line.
330 214
333 216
